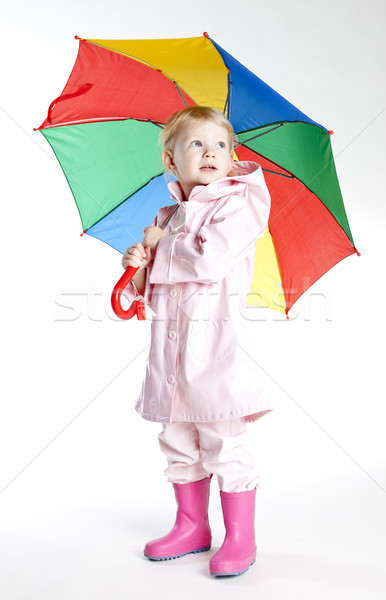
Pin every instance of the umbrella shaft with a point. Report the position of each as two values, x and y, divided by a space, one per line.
166 221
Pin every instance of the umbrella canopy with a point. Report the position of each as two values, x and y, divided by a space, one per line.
104 130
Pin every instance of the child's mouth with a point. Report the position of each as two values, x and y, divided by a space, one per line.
208 168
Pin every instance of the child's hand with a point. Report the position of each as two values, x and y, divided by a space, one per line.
136 256
152 236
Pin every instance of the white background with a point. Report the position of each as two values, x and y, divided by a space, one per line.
81 482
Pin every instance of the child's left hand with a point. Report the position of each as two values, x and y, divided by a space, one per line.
152 236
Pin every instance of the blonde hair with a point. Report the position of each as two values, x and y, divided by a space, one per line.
194 114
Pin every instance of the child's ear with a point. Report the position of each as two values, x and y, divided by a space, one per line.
167 159
232 161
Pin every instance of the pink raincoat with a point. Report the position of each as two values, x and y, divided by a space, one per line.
197 284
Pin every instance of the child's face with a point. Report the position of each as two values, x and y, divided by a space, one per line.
201 155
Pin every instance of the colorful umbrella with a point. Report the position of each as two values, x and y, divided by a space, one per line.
104 130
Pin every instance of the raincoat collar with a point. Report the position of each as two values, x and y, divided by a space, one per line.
243 172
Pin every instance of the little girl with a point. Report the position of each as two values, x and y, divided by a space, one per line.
195 274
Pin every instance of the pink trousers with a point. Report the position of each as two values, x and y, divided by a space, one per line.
195 450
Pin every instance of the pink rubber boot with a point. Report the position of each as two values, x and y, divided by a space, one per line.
238 551
191 531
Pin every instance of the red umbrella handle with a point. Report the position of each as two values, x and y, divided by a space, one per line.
137 307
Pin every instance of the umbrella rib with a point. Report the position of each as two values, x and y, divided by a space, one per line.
101 120
180 93
264 133
161 126
280 174
227 106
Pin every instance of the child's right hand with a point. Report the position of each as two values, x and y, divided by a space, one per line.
136 256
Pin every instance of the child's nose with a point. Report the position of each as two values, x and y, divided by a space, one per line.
209 152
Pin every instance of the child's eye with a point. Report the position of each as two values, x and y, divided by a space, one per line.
196 143
221 144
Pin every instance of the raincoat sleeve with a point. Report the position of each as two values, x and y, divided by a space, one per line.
131 293
207 256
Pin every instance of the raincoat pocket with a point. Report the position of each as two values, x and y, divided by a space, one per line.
212 341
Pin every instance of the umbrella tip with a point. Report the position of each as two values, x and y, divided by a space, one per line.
206 34
330 132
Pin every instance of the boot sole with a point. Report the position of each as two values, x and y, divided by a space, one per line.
205 549
231 574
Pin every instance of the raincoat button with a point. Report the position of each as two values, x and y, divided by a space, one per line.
170 379
173 292
172 335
